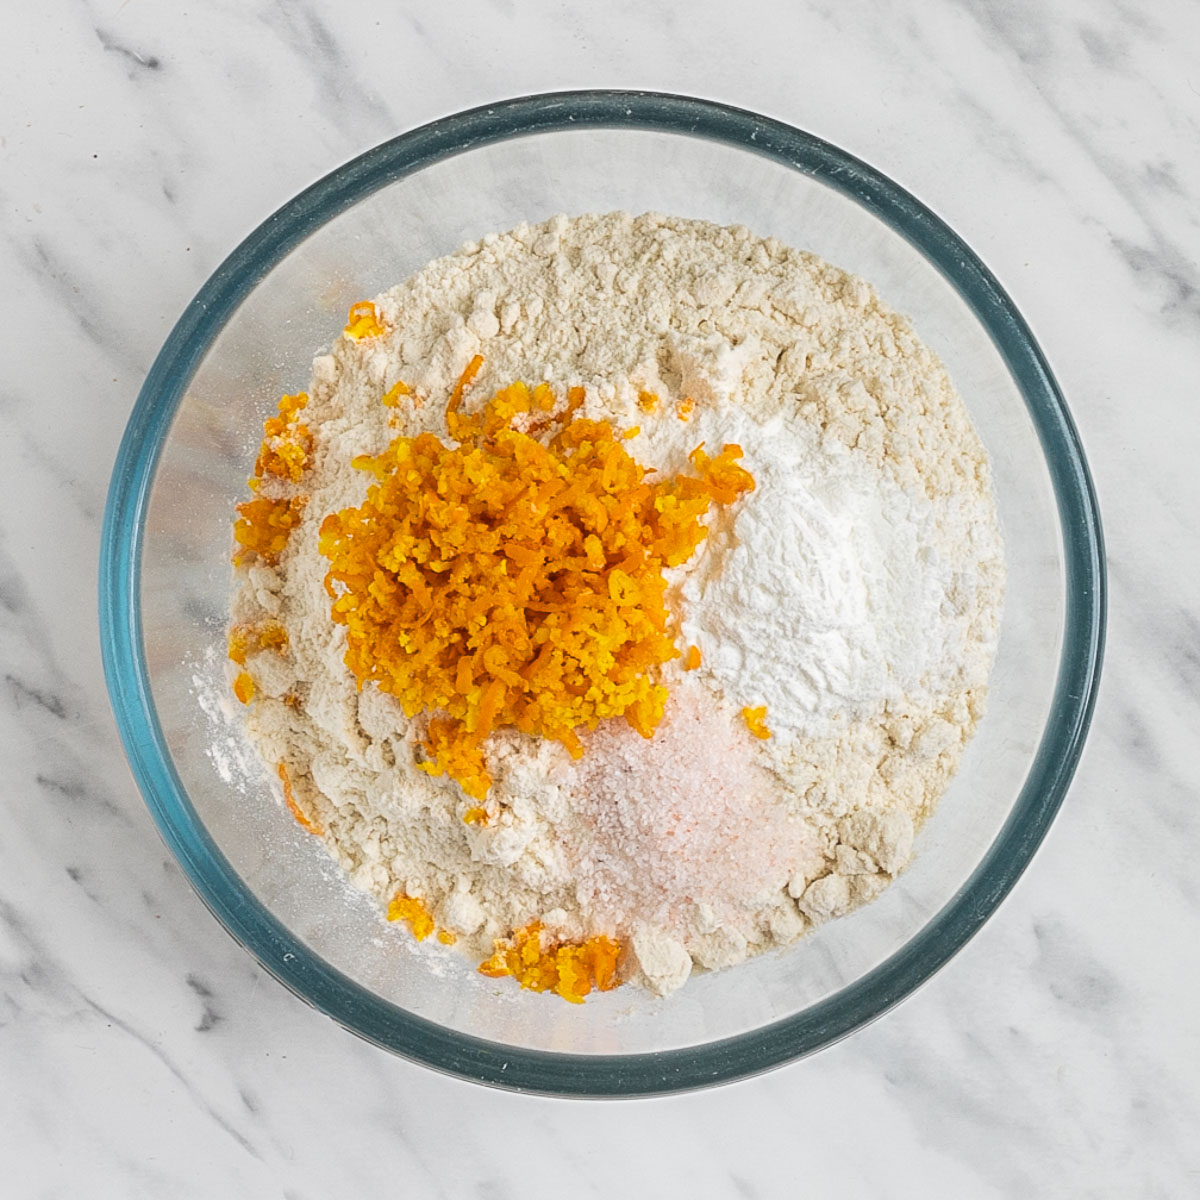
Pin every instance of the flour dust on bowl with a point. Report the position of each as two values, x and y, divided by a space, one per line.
737 540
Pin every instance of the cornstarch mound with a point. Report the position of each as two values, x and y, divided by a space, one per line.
617 599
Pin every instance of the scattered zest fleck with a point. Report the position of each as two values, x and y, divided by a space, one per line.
647 401
692 659
412 910
264 523
246 639
364 321
392 396
755 719
289 798
263 528
420 921
243 687
632 432
464 382
684 408
287 443
476 815
569 969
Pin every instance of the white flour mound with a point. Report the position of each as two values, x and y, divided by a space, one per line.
855 593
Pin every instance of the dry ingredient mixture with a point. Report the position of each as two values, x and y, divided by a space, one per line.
618 599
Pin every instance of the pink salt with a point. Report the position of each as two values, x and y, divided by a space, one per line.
683 819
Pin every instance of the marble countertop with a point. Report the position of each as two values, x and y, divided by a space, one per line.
143 1054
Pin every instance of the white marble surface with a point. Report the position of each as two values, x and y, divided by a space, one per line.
142 1054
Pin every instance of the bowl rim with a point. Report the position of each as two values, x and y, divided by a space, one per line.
387 1025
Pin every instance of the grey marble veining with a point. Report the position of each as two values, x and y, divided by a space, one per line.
143 1054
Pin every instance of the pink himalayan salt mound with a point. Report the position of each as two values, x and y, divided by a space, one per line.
678 820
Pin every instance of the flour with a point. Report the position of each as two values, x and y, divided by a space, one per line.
856 594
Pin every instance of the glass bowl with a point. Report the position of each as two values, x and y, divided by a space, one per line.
251 333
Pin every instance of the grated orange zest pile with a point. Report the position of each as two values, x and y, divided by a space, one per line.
569 969
289 798
507 582
364 321
755 719
287 442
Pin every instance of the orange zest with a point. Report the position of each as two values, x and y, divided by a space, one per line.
464 381
684 408
287 442
264 524
246 639
476 815
541 964
507 582
243 687
392 396
263 528
647 401
412 910
755 719
691 660
289 798
364 321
